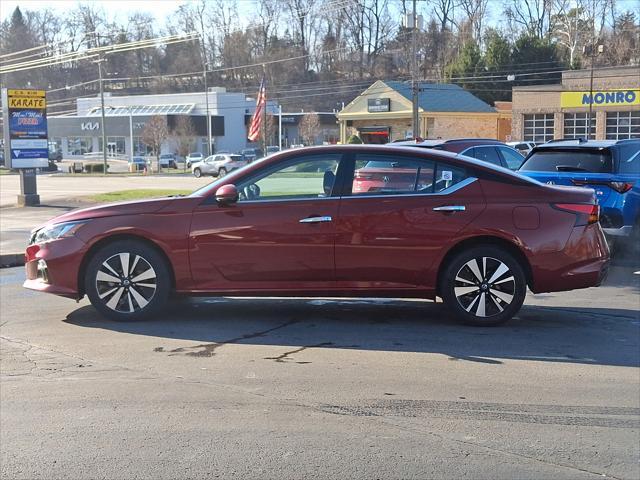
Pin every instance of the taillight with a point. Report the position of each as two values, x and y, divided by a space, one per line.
586 213
621 187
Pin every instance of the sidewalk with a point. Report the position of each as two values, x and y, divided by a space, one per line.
16 224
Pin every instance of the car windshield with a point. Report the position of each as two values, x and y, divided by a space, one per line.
576 160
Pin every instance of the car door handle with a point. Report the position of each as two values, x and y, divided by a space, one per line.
316 219
450 208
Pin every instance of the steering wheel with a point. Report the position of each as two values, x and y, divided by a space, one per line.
249 192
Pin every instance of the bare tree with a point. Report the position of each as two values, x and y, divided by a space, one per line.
475 11
154 133
529 15
309 127
184 136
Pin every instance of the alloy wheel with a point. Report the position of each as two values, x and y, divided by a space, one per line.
484 286
126 283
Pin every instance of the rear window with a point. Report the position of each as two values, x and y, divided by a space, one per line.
593 161
235 158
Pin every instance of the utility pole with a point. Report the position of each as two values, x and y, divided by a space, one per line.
264 112
206 96
279 127
414 84
103 127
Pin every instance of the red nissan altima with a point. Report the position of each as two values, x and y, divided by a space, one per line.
293 225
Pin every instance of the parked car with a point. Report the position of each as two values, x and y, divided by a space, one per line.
139 162
218 165
272 228
55 154
487 150
251 154
168 160
193 158
610 167
523 147
272 149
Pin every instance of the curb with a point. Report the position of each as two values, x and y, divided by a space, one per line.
11 260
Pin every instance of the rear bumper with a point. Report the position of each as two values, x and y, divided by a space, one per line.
583 263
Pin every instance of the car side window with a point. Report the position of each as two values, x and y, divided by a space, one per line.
447 175
512 158
487 154
311 176
385 174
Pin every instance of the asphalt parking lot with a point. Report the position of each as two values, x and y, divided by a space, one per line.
319 388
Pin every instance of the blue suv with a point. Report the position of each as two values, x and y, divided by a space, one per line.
610 167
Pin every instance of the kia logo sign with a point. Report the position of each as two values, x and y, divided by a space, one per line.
90 126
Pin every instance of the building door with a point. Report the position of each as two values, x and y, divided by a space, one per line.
374 135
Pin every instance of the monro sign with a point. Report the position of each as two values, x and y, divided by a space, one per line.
600 98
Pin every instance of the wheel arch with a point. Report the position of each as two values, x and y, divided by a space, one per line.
488 240
119 237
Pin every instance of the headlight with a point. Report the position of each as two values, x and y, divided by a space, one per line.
53 232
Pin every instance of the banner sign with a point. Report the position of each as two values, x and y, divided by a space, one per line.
600 98
26 135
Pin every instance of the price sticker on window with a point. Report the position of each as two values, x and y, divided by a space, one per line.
447 175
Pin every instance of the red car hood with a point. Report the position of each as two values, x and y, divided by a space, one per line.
113 209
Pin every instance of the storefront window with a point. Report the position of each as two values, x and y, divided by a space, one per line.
115 146
538 127
79 145
575 125
140 148
621 125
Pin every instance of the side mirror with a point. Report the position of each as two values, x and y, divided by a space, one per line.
227 194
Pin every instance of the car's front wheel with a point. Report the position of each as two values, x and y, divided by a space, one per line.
483 286
127 280
197 173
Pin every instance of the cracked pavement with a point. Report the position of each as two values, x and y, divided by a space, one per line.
321 388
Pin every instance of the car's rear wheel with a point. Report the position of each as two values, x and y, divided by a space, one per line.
127 280
483 286
222 172
197 173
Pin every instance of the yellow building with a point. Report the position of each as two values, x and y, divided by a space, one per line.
382 113
546 112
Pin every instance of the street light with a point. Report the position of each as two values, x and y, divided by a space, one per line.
593 50
206 96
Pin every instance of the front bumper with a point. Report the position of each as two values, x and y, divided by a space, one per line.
53 267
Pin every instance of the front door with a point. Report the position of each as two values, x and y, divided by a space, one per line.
402 212
279 235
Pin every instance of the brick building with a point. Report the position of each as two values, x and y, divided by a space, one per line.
546 112
382 113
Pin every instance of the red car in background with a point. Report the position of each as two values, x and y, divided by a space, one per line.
294 224
376 176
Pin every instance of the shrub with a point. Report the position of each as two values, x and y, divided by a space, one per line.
354 139
94 168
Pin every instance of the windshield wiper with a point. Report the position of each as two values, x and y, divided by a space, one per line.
570 168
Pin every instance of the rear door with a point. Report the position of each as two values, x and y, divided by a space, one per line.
390 238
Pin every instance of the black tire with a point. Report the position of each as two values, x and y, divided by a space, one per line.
222 172
127 293
493 295
197 173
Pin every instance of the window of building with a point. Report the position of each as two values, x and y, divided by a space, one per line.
538 127
79 145
576 124
140 148
115 145
621 125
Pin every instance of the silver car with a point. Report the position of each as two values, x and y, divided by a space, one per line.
218 165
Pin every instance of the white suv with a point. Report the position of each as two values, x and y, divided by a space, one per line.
218 165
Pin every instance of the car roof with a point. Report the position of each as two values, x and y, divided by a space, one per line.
581 143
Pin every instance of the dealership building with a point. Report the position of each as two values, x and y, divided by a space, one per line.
383 113
80 134
546 112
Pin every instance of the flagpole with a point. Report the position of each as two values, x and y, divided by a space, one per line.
264 113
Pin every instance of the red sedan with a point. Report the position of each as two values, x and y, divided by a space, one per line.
293 225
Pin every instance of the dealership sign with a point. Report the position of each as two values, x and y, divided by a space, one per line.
26 137
378 105
600 98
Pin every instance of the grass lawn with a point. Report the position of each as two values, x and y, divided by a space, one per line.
6 171
136 194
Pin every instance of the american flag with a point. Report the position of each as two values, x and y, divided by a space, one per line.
256 120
